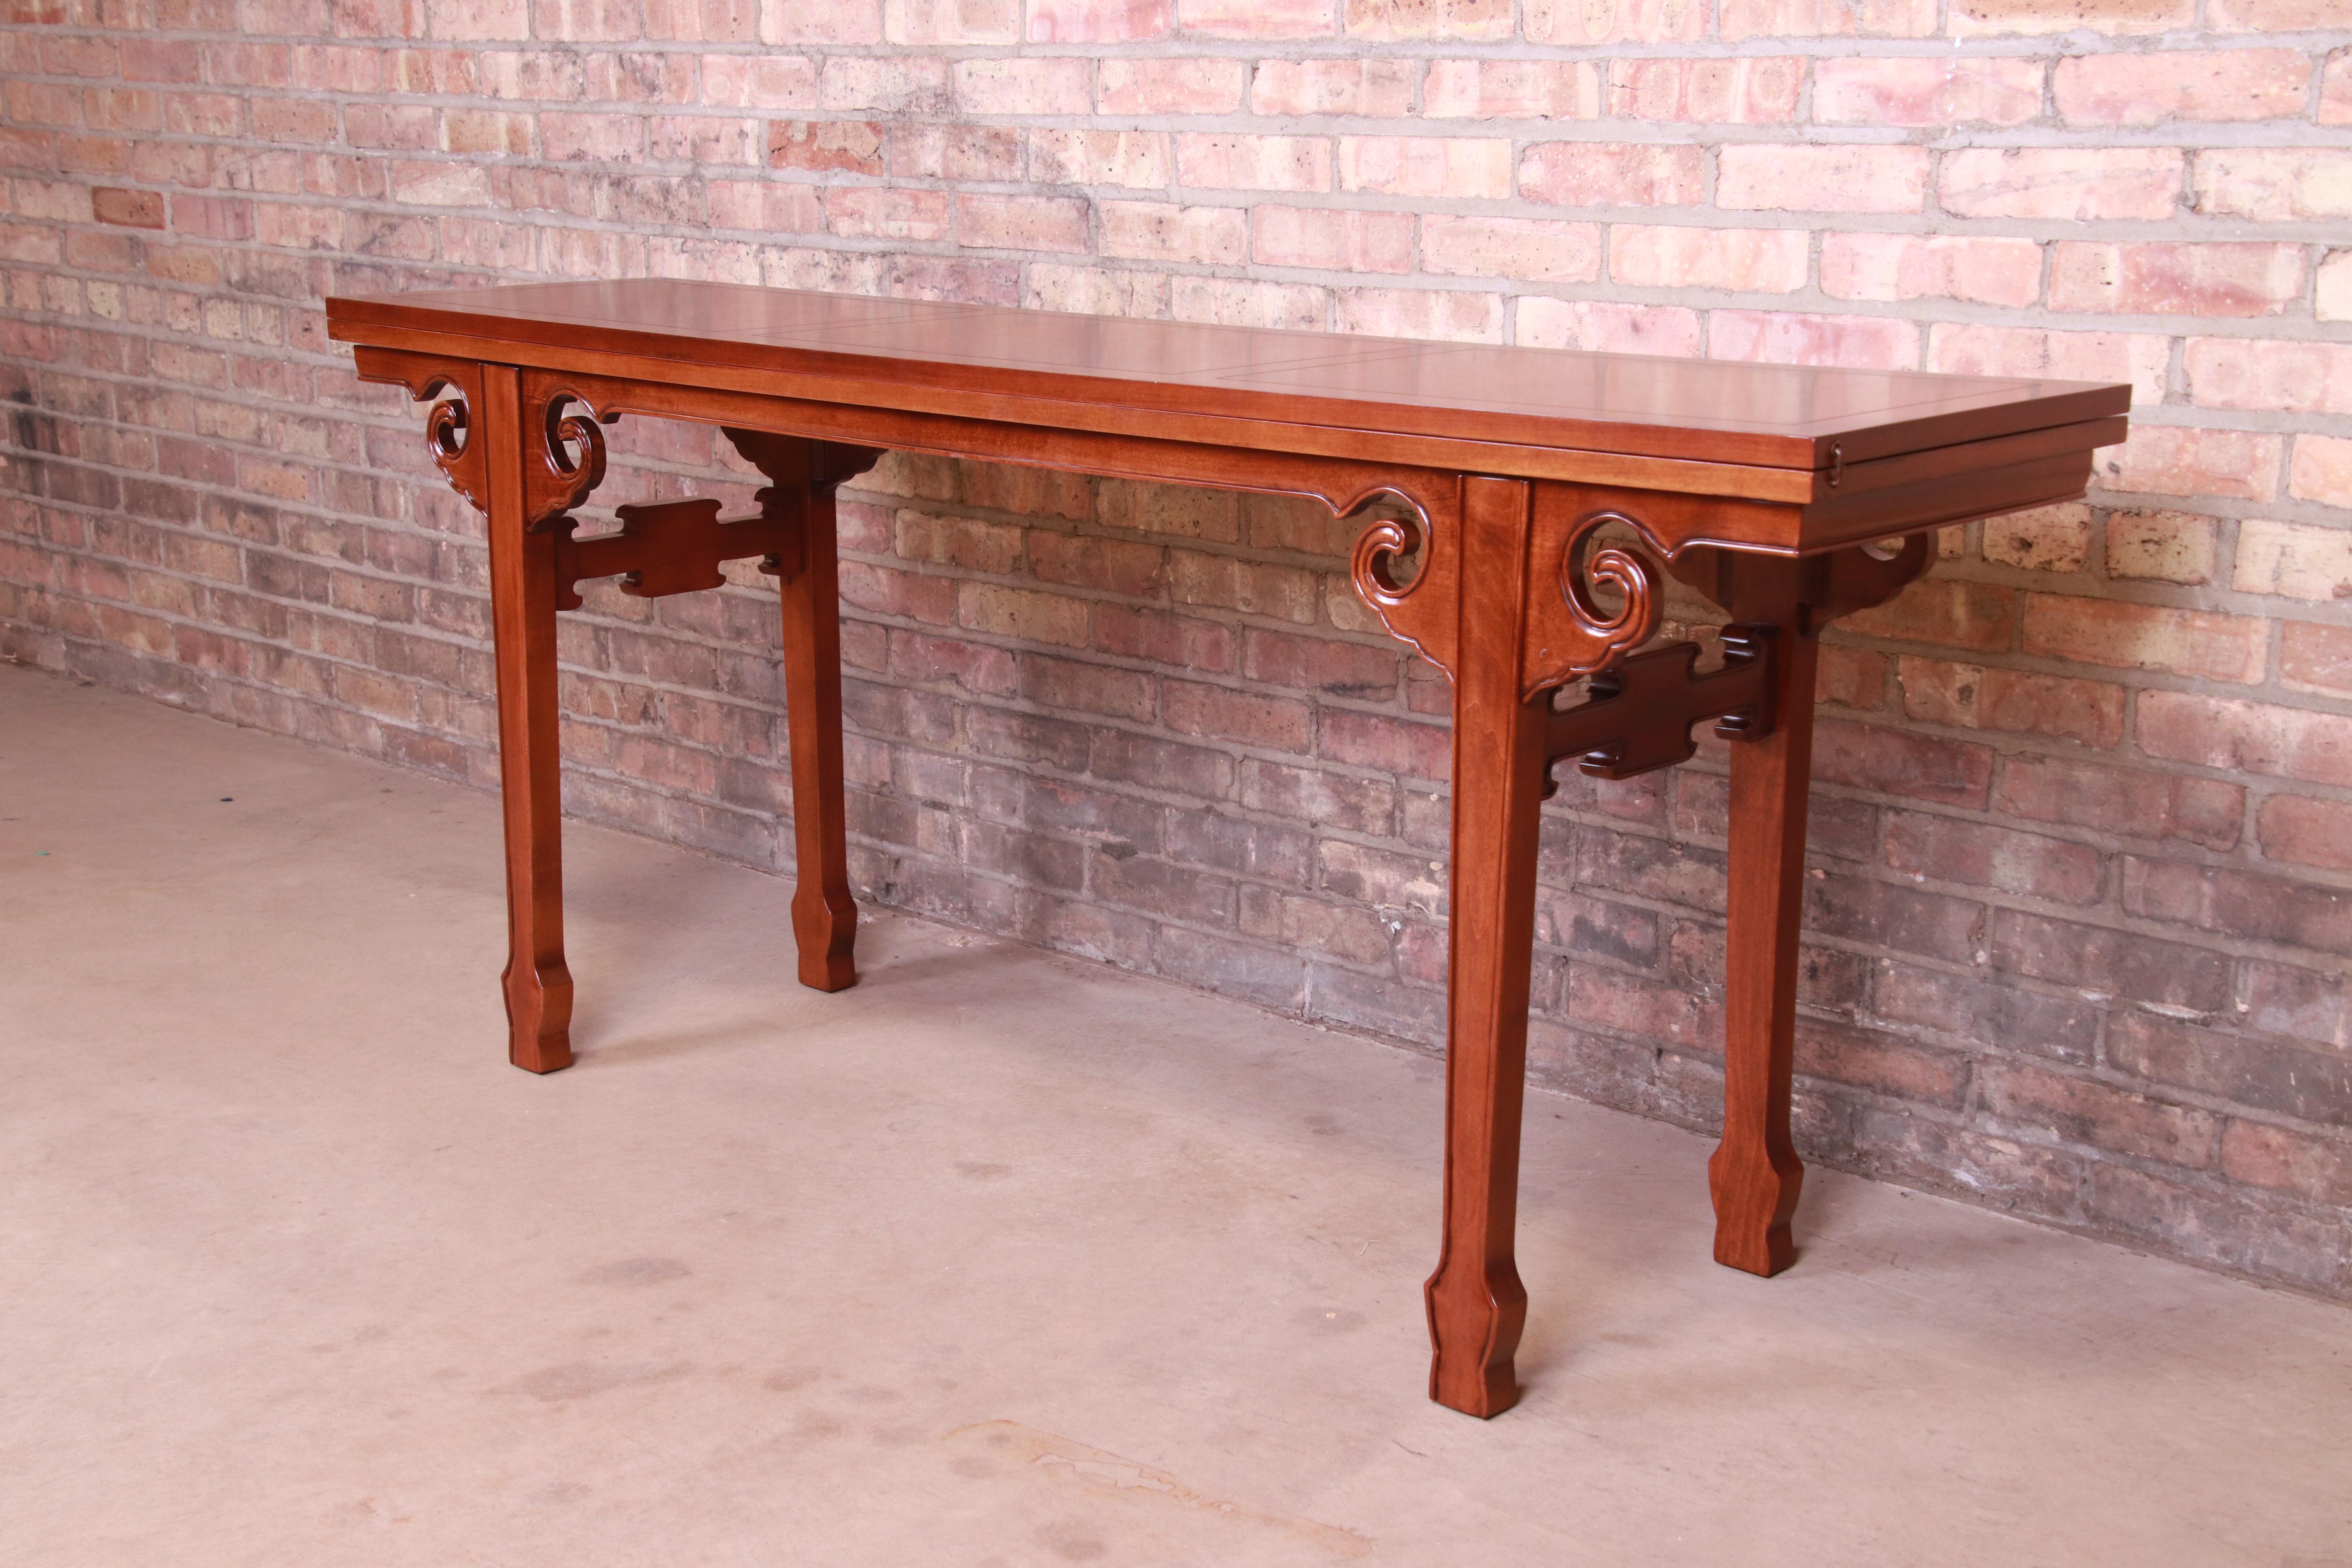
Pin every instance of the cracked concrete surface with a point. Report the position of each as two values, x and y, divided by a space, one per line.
999 1258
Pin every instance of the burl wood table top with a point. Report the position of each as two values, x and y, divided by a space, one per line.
1762 432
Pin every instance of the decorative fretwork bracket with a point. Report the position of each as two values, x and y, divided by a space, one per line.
1638 714
676 547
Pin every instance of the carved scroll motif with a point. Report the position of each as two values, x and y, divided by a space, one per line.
1424 611
553 480
1569 632
452 427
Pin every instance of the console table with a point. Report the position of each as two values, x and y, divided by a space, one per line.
1543 492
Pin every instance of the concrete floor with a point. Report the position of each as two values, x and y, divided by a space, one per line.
998 1260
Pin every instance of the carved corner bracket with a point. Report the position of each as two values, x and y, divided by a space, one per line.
452 427
1569 633
1639 714
1805 591
1425 609
554 479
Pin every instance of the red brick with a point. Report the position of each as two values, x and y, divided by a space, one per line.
1984 18
2321 470
2164 279
1371 87
1946 611
2085 185
1507 89
1927 91
1387 19
2238 904
1331 239
2116 800
1112 565
2143 359
1744 92
1152 85
2164 546
1987 269
1022 222
2273 184
1511 248
1606 173
2298 560
1744 260
2149 88
1462 167
134 209
1603 327
1983 856
853 146
2316 658
2016 702
1256 18
2314 1167
1230 161
1163 231
2146 637
2084 1110
2250 737
1191 708
1860 179
2305 831
1787 337
1099 21
2178 460
1575 23
1889 762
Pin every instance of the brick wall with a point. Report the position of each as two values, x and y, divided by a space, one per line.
2078 929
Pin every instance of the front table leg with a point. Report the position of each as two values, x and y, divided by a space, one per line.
1754 1175
537 982
824 915
1477 1304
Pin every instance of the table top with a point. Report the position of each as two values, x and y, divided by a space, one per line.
1717 411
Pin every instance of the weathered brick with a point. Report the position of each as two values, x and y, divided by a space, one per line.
2146 637
1602 173
2136 88
1977 697
1927 91
2176 279
2118 964
2118 800
2321 470
2181 460
2084 1111
2164 546
2273 184
2315 658
2250 737
1499 89
2313 1085
1986 269
2082 185
1821 179
1331 239
1953 850
1745 260
1511 248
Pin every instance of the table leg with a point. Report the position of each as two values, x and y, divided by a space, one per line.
1477 1304
522 605
1754 1175
824 916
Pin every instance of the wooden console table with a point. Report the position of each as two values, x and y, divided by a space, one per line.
1531 477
